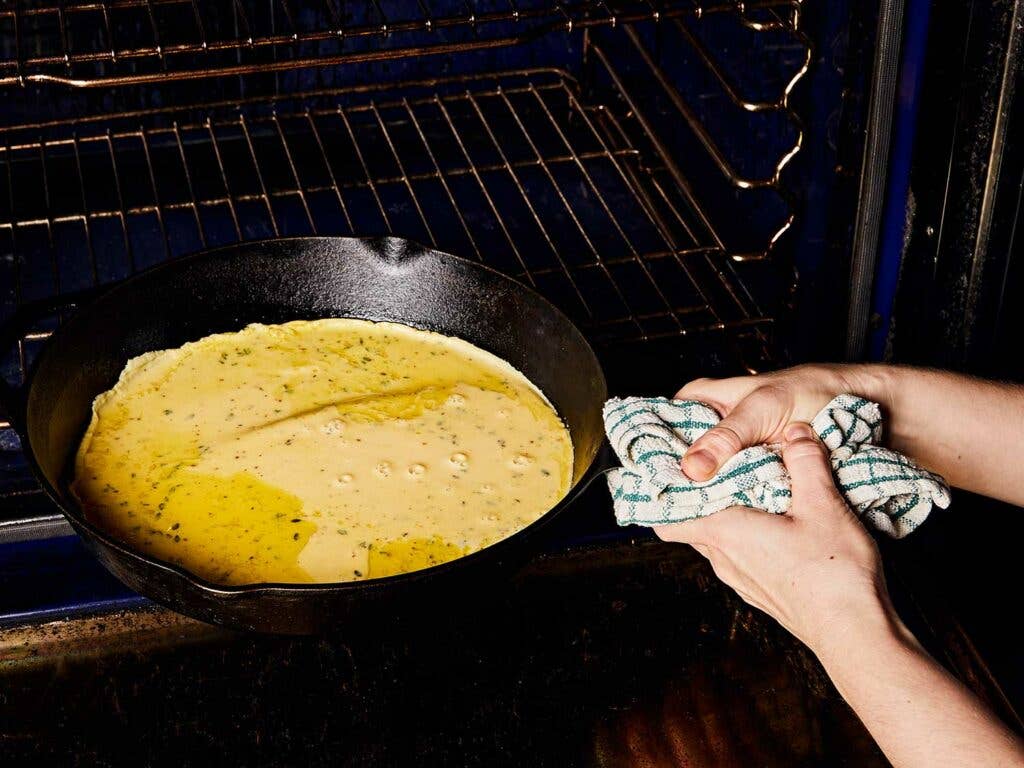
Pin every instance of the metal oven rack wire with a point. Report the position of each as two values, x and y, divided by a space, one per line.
94 43
535 181
525 170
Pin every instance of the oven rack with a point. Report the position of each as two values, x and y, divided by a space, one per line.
93 43
514 169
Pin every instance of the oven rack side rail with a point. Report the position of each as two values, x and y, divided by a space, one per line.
104 43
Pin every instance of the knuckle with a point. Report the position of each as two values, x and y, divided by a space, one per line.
672 532
724 438
820 497
716 566
694 386
687 532
770 393
770 405
803 448
723 570
703 532
712 540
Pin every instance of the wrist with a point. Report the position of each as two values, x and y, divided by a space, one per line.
870 628
884 384
871 381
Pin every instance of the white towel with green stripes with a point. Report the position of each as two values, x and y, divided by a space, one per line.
650 435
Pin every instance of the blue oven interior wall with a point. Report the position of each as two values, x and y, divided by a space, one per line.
819 184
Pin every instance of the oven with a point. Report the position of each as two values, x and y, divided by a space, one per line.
704 188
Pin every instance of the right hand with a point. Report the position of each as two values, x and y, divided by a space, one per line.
816 570
756 409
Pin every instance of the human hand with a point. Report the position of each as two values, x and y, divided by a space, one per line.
756 409
816 570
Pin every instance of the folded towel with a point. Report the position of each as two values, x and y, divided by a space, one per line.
650 435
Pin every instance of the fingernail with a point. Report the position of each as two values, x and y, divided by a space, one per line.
699 463
798 431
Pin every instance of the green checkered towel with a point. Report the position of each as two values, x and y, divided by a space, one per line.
650 435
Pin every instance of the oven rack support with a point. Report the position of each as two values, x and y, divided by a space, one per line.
781 104
104 43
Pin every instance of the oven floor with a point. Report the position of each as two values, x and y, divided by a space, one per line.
628 654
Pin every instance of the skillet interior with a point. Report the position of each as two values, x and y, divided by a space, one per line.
276 281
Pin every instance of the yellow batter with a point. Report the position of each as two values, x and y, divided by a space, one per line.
320 451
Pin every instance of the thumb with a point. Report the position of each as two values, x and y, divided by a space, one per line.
806 459
749 423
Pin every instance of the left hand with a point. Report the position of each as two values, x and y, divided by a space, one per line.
816 570
756 409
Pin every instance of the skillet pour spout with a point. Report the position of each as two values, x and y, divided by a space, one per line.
275 281
396 249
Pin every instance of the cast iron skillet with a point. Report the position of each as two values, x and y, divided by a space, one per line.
276 281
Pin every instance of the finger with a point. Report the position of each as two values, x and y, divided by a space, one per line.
721 394
727 572
754 420
723 571
727 530
750 600
695 532
809 469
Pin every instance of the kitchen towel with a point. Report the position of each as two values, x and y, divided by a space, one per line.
650 435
